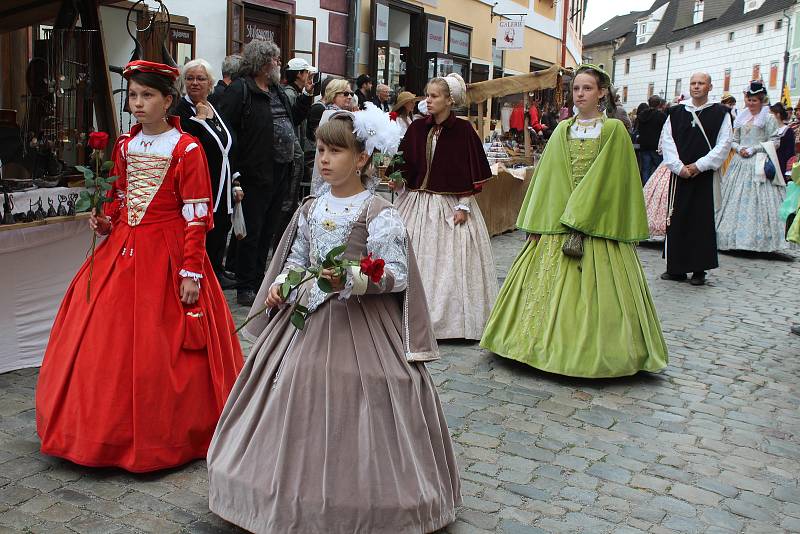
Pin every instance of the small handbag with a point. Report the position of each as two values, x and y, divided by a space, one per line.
573 245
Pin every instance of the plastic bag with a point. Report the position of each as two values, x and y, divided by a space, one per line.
791 202
237 221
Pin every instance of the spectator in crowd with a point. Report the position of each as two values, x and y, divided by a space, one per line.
363 89
230 66
337 95
200 119
263 120
620 113
729 101
650 121
299 75
382 98
785 149
404 107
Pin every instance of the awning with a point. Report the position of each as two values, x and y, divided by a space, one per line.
512 85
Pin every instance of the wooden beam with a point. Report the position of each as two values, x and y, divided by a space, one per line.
105 111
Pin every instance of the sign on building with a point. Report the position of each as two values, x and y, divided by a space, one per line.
510 34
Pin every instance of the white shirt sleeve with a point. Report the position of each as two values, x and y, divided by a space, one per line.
671 158
387 240
717 156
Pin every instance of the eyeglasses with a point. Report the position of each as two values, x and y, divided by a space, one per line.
346 93
201 79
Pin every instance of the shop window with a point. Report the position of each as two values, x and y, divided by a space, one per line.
726 85
235 27
773 75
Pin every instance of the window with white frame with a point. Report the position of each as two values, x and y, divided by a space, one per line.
653 61
627 65
759 29
779 24
697 15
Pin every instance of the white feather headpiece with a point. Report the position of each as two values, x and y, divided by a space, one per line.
374 128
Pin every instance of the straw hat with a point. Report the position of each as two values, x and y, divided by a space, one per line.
404 98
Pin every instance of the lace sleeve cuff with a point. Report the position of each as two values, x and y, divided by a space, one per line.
189 274
356 283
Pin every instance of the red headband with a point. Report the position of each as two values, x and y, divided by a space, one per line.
149 66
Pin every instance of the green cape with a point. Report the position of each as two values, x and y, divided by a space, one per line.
608 202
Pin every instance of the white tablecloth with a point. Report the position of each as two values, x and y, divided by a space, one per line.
36 266
22 199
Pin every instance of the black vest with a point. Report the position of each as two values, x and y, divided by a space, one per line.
689 139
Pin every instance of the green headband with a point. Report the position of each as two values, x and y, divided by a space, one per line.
588 66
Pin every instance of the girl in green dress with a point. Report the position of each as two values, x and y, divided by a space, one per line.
576 301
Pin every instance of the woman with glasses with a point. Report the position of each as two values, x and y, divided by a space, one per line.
200 119
336 95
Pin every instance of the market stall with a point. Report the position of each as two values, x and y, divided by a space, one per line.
54 91
501 197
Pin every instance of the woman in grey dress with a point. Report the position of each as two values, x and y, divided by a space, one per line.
748 216
337 428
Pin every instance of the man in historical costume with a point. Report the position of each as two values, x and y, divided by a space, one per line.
693 125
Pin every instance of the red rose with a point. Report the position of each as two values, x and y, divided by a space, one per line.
477 187
372 268
98 140
393 115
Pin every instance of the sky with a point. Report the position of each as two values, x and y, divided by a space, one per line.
599 11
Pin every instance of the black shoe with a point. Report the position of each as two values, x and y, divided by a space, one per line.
698 279
225 282
245 297
674 277
795 329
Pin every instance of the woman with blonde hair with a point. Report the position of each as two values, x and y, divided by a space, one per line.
445 166
337 95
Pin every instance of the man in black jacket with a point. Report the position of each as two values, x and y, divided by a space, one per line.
263 121
363 88
651 121
230 66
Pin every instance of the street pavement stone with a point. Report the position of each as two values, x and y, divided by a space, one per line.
710 445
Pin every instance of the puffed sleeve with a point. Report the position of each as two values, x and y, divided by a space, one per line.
386 241
194 187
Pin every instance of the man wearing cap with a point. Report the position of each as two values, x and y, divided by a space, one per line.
364 86
298 74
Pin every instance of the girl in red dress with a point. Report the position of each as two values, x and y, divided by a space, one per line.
137 376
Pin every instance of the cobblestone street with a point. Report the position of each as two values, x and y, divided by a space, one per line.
710 445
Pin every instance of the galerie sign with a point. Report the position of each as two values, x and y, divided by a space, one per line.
510 35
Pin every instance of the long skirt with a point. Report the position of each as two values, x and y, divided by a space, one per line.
589 317
131 377
656 199
330 430
748 217
455 261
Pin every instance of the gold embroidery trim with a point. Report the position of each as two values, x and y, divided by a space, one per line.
197 223
146 173
196 315
196 200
